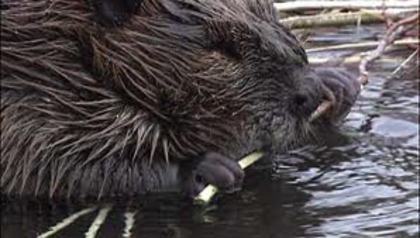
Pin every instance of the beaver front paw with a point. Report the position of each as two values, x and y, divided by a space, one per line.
216 169
343 89
335 87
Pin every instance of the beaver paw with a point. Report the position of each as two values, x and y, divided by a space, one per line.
215 169
345 88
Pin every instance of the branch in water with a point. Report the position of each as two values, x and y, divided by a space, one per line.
393 32
405 63
367 44
372 4
340 19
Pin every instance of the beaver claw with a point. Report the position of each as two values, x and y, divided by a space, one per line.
344 87
215 169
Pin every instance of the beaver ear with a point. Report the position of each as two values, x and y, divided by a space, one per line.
115 12
234 38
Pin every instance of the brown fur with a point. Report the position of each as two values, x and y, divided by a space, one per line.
90 110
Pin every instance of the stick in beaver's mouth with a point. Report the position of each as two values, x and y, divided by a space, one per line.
205 196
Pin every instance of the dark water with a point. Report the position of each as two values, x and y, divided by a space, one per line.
364 183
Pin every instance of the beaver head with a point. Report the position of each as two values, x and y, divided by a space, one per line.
108 109
211 62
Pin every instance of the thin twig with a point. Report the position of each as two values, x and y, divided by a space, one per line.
339 19
372 4
405 62
406 41
391 35
354 59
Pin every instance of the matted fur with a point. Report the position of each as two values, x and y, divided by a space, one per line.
92 111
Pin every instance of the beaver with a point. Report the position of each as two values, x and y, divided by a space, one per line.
120 98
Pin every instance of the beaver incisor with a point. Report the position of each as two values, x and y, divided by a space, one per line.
167 98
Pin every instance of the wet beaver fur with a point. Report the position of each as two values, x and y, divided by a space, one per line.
118 98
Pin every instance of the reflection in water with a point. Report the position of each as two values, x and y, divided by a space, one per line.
269 209
362 184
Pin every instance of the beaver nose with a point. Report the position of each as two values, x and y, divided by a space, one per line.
300 99
305 103
308 94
